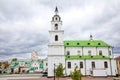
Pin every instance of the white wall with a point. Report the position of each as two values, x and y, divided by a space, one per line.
56 50
73 63
60 36
99 66
54 60
45 64
114 67
59 25
92 49
84 50
73 50
104 51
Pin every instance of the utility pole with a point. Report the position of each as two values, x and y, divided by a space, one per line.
54 71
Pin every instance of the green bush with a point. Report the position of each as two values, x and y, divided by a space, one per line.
59 71
76 74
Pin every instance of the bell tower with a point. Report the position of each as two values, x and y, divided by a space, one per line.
56 32
56 45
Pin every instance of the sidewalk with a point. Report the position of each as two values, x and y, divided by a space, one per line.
68 78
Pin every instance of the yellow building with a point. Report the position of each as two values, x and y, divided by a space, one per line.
118 64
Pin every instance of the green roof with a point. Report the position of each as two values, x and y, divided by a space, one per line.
85 43
14 64
27 63
31 69
85 57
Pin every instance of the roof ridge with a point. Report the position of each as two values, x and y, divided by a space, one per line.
90 43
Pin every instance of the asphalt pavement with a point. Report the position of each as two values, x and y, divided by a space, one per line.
20 76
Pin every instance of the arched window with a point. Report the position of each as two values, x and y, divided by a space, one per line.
56 37
93 65
105 64
56 26
81 64
69 65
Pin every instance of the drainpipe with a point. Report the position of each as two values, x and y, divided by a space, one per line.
85 66
111 67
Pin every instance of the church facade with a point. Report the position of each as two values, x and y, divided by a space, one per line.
93 57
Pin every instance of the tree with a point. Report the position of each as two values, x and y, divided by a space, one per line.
59 71
6 65
76 74
0 64
14 59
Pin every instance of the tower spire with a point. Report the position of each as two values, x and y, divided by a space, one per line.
56 10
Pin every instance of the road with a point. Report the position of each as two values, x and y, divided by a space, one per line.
39 77
19 76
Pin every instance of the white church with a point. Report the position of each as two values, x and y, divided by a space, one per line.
93 57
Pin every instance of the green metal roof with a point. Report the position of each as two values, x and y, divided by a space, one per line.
14 64
85 43
27 63
31 69
85 57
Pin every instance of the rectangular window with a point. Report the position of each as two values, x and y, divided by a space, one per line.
68 53
110 52
81 64
100 52
93 64
35 68
69 64
78 52
105 64
89 52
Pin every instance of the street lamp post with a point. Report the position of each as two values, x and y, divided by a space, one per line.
54 71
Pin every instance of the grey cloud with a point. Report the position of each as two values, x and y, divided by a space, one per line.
17 39
21 44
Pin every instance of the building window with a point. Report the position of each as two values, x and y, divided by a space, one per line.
56 18
78 52
68 53
105 64
56 37
93 65
36 68
89 52
100 52
81 64
110 52
56 26
69 64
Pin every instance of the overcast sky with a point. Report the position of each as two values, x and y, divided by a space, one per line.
24 24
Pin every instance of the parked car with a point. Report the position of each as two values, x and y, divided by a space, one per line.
44 74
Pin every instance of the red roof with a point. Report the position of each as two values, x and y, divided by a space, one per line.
118 58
